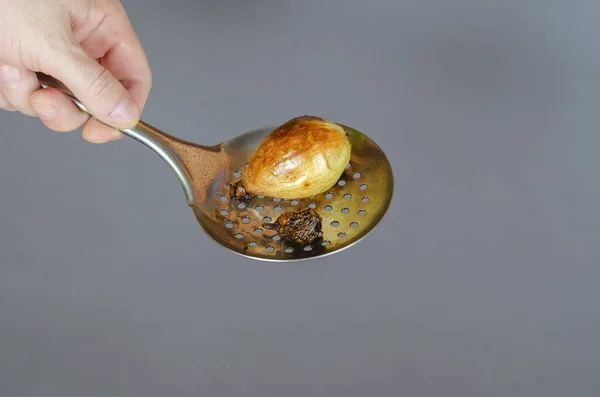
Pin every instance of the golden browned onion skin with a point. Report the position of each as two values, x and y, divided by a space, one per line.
302 158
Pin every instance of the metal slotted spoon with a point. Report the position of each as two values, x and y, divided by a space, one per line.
350 209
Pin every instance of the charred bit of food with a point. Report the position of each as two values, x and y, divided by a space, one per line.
301 227
238 191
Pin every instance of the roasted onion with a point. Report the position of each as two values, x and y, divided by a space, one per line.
302 158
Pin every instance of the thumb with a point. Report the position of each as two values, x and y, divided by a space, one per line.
95 86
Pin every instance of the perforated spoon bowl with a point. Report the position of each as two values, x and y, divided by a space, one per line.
350 209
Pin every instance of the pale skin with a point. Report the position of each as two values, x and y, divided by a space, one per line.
90 46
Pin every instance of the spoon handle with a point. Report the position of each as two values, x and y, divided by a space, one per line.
155 139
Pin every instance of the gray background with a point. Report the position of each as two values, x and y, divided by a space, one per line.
481 281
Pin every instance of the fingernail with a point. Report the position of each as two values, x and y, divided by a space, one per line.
44 112
9 75
125 111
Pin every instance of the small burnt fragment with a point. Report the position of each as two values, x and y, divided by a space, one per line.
237 191
301 227
349 171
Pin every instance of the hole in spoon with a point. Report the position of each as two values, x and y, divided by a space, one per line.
237 174
224 212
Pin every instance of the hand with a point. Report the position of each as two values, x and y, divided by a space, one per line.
91 47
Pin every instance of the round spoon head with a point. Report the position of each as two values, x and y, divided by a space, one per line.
349 210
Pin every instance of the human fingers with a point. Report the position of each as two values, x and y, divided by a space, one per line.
94 85
115 42
16 85
56 110
5 105
58 113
